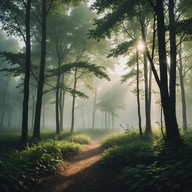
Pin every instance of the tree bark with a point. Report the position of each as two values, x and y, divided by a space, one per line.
73 101
57 101
36 132
94 109
168 102
147 97
146 77
138 95
182 88
24 132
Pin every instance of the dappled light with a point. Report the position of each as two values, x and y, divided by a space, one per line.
95 96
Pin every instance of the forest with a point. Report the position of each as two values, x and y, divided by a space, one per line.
95 95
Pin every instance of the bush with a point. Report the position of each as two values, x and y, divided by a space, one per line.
172 177
128 154
80 138
119 139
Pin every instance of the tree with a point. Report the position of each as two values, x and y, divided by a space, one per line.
67 42
14 24
110 102
125 10
24 133
46 7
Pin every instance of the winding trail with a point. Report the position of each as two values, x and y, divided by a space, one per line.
82 173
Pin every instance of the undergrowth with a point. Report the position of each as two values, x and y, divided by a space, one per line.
19 169
147 164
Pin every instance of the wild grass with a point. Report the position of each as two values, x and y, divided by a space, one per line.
97 133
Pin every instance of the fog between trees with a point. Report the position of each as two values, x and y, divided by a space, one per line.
99 102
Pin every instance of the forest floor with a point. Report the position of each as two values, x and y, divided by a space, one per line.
82 173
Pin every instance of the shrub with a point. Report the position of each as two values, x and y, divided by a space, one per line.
128 154
79 138
119 139
20 171
172 177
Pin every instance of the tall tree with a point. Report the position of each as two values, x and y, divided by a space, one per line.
24 133
125 10
36 131
168 97
14 24
46 7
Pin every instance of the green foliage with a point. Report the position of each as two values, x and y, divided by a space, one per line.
120 11
148 164
16 60
80 138
122 49
98 71
128 154
95 133
22 168
119 139
174 176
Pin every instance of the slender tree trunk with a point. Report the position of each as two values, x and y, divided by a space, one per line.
138 96
147 97
146 78
182 88
73 101
43 115
112 120
33 110
2 118
9 120
24 132
3 106
106 125
94 109
57 100
36 132
62 103
83 118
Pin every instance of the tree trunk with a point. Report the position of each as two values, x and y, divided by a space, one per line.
147 97
3 105
182 88
36 132
24 132
168 102
146 78
106 122
94 109
73 101
138 95
112 120
57 99
33 110
62 104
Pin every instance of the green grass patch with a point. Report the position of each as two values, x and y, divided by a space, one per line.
119 139
79 138
96 133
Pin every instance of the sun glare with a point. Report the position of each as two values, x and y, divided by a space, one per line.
140 46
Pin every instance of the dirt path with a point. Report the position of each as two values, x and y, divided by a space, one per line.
82 173
77 165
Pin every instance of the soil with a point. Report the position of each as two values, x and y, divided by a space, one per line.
82 173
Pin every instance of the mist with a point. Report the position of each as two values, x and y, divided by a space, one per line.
108 104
